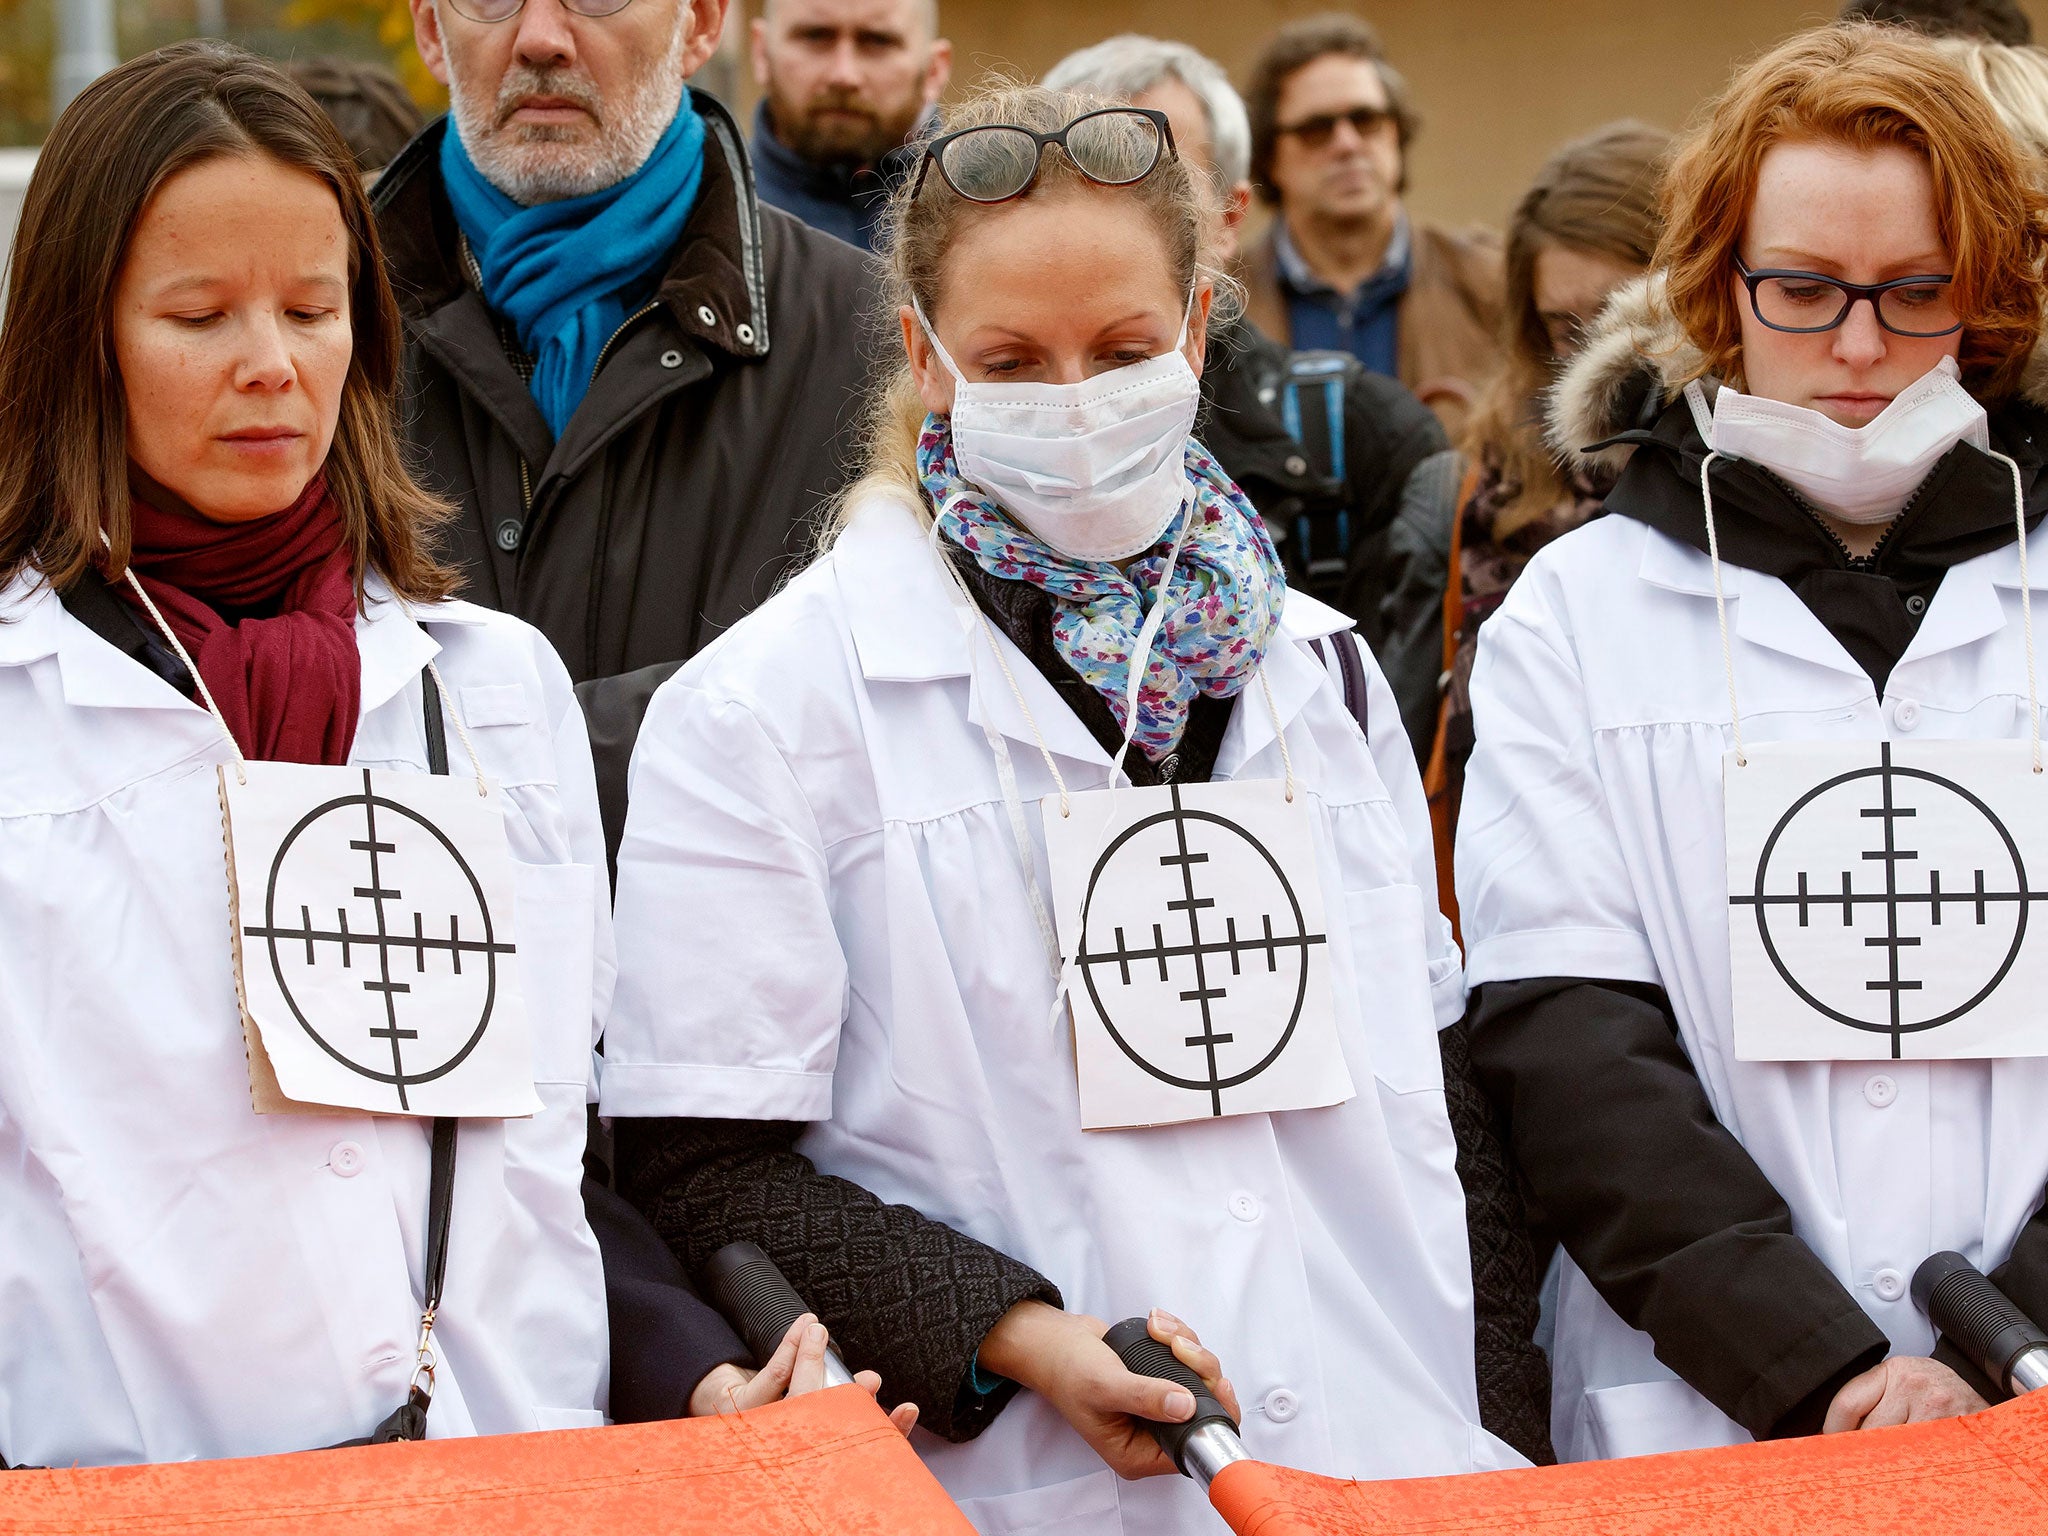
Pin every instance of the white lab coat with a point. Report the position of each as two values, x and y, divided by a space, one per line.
822 918
181 1277
1590 844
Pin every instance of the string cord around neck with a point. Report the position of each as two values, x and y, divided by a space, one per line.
2019 505
185 656
1721 607
2019 517
206 694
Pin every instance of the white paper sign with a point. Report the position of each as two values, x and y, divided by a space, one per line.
1193 915
1883 901
372 919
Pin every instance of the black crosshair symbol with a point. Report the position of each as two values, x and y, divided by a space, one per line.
1198 948
1979 899
383 943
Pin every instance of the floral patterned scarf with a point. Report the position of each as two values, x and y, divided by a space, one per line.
1228 590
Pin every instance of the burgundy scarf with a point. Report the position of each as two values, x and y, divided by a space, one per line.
268 610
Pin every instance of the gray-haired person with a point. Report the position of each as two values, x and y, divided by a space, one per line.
1324 449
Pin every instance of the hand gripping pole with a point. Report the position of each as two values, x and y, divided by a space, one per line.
1980 1320
747 1287
1201 1446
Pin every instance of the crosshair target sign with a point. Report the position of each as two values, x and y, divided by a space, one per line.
1891 899
1206 991
429 966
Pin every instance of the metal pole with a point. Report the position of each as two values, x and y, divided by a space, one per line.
85 48
210 17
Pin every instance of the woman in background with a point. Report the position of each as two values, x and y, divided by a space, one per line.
1473 518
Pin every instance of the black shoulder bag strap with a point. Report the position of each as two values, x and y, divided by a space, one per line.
409 1421
1351 674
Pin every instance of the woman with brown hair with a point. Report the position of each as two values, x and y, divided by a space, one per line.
1729 1075
1475 516
213 568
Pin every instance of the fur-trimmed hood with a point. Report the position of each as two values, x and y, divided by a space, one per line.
1634 364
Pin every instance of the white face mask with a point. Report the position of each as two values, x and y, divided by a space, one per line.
1859 474
1096 470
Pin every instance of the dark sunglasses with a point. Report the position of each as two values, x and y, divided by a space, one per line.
1806 302
1316 132
1113 147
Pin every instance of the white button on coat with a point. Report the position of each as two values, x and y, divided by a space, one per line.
1244 1206
1588 846
244 1268
816 806
1889 1284
1881 1091
1282 1405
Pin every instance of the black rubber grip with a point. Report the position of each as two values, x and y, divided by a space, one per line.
747 1287
1974 1315
1144 1355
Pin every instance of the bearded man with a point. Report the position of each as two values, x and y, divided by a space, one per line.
848 90
635 384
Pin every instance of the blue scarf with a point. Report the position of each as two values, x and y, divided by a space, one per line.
564 273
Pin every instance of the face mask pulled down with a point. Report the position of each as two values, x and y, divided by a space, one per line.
1095 470
1860 474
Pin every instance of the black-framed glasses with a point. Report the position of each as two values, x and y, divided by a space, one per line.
1806 302
1316 132
504 10
1112 146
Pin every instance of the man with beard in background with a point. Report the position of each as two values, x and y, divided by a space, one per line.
847 86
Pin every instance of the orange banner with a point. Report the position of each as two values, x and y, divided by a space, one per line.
1981 1476
828 1462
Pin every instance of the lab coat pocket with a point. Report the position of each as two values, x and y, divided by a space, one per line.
1085 1506
1642 1418
1392 986
555 921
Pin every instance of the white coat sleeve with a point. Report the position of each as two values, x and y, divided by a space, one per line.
1394 757
1543 887
732 982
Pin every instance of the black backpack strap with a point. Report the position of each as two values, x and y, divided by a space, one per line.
1350 670
94 603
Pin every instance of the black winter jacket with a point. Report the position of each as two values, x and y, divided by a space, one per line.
719 420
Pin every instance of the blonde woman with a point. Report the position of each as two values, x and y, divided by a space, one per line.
835 1033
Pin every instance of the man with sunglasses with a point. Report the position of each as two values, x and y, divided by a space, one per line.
1344 267
634 381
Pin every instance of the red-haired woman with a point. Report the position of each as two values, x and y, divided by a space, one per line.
1812 552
